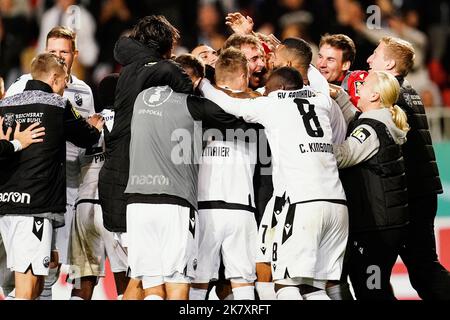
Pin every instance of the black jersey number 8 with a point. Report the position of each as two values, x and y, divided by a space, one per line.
308 117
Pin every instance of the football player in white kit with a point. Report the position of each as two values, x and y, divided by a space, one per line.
61 41
90 242
227 224
296 53
311 233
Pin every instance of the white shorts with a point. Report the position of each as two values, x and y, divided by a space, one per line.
231 233
6 276
91 243
310 241
162 240
266 231
27 242
122 238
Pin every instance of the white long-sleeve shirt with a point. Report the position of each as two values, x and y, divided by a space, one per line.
297 125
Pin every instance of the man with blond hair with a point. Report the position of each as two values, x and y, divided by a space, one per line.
428 277
30 207
227 222
62 42
253 51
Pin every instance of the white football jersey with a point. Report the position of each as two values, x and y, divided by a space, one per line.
91 161
226 172
297 125
317 81
338 125
80 96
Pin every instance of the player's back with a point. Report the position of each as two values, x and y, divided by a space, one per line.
299 133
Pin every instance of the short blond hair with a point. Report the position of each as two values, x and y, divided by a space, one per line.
388 88
64 33
230 62
402 52
238 40
46 63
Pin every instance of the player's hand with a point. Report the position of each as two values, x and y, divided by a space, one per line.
239 24
4 136
96 121
334 90
30 135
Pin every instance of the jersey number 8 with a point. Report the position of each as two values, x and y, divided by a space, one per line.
308 117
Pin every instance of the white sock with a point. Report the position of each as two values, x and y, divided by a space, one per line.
50 280
46 293
76 298
153 297
289 293
120 297
11 295
266 290
7 290
316 295
212 294
244 293
197 294
339 292
229 297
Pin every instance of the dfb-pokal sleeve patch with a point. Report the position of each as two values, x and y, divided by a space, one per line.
361 134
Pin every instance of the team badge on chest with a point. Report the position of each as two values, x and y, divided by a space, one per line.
78 99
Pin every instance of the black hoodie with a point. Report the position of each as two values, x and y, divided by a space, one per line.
143 67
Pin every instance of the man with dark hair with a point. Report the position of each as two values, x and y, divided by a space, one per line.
156 31
165 147
284 78
192 66
145 60
297 53
90 242
311 227
336 55
37 202
428 277
206 54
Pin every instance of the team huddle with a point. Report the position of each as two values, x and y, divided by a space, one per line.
255 172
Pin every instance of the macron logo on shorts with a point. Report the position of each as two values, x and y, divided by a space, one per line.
38 229
192 222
